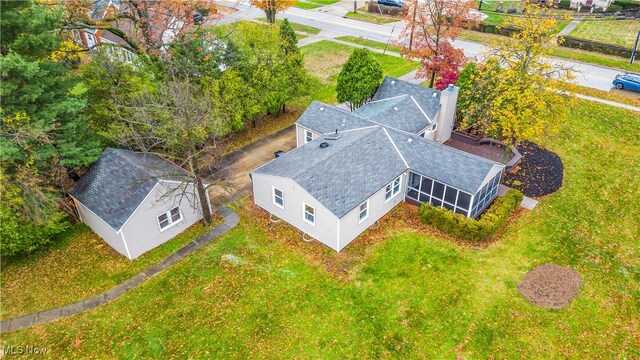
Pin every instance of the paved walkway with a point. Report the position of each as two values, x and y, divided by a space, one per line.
233 169
608 102
231 219
527 202
572 25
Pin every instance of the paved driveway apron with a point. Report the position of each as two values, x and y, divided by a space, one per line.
235 167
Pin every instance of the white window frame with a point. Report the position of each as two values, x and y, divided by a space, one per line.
274 196
171 221
366 210
389 188
304 214
308 134
434 127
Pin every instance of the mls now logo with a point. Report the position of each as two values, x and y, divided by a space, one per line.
23 350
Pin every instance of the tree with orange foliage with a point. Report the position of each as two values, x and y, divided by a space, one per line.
431 27
271 7
145 25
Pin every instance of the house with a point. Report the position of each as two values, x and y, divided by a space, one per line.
95 38
135 201
351 168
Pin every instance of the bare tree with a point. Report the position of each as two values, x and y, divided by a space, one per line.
181 122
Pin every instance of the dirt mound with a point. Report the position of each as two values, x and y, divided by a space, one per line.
541 171
551 286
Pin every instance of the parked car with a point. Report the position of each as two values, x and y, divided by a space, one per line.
627 81
395 3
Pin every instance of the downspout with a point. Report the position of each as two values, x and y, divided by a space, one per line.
126 248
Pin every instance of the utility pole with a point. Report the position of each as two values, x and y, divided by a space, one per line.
355 6
480 5
634 52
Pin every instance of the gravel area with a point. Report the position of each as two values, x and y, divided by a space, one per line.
551 286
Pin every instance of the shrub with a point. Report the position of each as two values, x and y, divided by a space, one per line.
469 229
565 4
615 7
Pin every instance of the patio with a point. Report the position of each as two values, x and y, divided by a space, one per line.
484 147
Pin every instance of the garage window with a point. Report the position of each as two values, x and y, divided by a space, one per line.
169 218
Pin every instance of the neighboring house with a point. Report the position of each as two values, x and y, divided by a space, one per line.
135 201
94 38
350 169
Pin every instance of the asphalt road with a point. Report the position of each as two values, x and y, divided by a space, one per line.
333 24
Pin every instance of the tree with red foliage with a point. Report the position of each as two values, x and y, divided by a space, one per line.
446 78
145 25
431 27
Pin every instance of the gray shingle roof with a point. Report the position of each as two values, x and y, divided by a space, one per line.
443 163
400 112
329 119
392 87
118 182
346 173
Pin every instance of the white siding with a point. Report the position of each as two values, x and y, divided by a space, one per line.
142 231
300 135
350 227
326 223
104 230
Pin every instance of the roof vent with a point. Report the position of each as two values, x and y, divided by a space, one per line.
450 87
321 108
409 140
324 145
344 122
395 108
393 82
435 95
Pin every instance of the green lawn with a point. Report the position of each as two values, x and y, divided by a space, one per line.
399 291
563 52
369 17
78 265
297 27
370 43
615 32
305 5
324 59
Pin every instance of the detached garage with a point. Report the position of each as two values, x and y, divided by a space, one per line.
135 201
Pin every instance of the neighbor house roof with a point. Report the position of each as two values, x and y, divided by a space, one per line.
344 174
401 112
428 99
326 119
119 181
441 162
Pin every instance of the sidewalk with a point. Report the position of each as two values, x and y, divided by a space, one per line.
231 219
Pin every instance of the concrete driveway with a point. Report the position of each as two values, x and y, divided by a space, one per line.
234 168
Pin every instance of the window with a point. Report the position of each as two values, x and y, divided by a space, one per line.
278 198
364 211
438 190
169 218
392 189
309 214
425 190
433 128
308 136
423 134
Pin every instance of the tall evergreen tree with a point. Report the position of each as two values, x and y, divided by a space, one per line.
43 135
359 78
288 36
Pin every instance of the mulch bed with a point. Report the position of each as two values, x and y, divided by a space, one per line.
540 171
551 286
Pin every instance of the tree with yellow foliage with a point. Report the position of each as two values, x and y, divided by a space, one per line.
271 7
519 94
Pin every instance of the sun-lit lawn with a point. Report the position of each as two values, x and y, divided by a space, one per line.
305 5
401 290
325 58
297 27
370 43
370 17
78 265
615 32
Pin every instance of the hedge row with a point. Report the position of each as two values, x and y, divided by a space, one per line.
469 229
602 48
